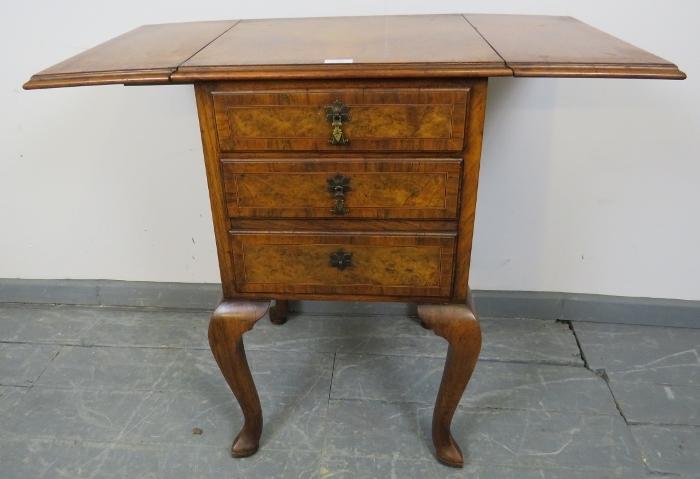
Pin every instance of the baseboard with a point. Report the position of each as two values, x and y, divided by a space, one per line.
493 304
110 293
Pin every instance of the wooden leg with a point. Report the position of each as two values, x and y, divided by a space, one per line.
279 312
458 324
228 323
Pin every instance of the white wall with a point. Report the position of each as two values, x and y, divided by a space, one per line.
587 186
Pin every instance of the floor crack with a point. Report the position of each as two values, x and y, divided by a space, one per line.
578 343
47 365
601 373
598 372
37 378
330 387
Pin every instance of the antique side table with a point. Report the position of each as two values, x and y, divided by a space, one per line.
342 158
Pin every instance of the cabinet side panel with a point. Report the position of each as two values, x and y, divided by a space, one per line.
207 126
470 180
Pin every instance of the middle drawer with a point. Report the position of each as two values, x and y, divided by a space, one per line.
356 188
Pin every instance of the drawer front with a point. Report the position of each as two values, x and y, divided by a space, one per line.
426 119
359 264
418 189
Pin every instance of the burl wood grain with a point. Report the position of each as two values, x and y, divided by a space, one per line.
458 324
370 190
309 264
381 119
408 265
425 189
378 121
226 328
455 267
419 226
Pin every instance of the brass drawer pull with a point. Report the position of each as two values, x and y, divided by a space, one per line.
338 185
336 114
341 260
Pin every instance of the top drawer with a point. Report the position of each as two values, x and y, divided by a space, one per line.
425 119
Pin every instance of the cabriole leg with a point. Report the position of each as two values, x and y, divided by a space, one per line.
228 323
458 324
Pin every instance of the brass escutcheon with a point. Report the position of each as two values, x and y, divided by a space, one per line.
338 185
336 114
341 260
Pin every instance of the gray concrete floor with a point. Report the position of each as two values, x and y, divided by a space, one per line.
110 393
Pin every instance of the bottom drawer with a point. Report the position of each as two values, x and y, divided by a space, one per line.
344 264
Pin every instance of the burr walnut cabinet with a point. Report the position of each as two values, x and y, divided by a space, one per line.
342 159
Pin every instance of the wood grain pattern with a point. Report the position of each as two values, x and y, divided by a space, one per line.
226 328
470 182
217 199
271 161
369 122
419 264
379 188
398 42
340 72
343 294
458 324
348 224
389 47
545 46
371 190
308 264
148 54
381 119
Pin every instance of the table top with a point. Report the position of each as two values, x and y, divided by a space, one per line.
357 47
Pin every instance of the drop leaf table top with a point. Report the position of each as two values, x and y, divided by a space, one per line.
393 46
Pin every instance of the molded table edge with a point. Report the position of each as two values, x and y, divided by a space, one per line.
324 71
127 76
573 70
562 69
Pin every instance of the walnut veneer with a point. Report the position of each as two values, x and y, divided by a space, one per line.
342 159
